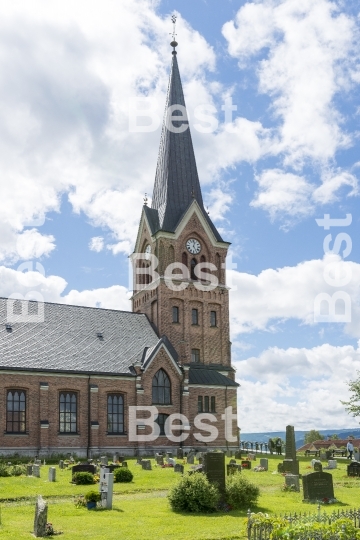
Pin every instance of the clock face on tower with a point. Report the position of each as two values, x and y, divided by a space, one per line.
193 246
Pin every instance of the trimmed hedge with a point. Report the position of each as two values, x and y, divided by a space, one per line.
122 474
83 478
194 493
240 493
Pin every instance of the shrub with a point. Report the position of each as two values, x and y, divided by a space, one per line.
92 496
194 493
240 493
83 478
4 470
18 470
341 528
122 474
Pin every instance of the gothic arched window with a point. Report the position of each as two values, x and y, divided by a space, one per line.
115 413
16 411
161 419
161 388
68 412
192 272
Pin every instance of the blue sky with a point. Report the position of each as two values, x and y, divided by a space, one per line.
73 175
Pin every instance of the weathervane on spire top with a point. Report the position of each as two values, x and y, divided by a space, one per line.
173 35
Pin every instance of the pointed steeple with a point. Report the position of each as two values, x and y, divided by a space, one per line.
176 181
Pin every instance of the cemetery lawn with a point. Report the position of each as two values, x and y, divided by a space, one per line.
141 510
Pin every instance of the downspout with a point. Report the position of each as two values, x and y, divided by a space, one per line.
227 444
89 421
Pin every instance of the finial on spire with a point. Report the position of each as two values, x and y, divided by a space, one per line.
145 200
193 192
173 34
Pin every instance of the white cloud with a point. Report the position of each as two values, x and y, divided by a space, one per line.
301 387
219 201
96 244
332 183
263 302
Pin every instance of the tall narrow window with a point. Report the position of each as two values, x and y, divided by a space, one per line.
175 314
206 404
115 413
68 412
192 272
194 316
161 419
16 411
212 404
195 355
212 318
200 404
161 388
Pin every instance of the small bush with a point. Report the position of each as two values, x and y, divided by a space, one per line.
194 493
83 478
122 474
240 493
18 470
92 496
4 470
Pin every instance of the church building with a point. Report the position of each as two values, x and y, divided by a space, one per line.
90 380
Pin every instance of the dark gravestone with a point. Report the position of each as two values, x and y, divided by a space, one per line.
317 466
214 468
318 486
232 462
180 453
160 461
61 464
179 468
40 519
290 463
353 469
190 458
233 468
238 454
112 467
280 468
29 470
246 464
85 467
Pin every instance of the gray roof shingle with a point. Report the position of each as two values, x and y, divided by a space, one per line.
202 375
67 340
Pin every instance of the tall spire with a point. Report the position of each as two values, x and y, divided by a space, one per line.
176 181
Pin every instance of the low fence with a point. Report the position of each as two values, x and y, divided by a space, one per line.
262 531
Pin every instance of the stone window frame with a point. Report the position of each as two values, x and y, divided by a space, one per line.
175 314
118 395
13 391
165 397
213 318
206 404
194 317
72 423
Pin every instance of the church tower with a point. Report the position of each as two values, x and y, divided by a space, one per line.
177 229
191 309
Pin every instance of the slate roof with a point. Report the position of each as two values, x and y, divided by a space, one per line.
176 180
202 375
67 340
152 351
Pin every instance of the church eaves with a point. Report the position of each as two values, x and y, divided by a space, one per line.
176 181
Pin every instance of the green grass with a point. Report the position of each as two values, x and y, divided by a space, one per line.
141 510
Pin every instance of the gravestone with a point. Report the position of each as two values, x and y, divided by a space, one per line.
232 462
146 464
160 461
264 463
317 466
318 486
40 519
116 457
246 464
290 463
104 460
169 454
52 474
201 460
61 464
228 453
332 464
83 467
280 468
37 462
179 468
353 469
214 468
36 471
322 456
180 453
199 455
190 458
237 454
29 470
232 468
292 480
171 461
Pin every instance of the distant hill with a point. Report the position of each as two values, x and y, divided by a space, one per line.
299 435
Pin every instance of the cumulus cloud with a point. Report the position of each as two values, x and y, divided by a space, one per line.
302 387
306 54
264 301
96 244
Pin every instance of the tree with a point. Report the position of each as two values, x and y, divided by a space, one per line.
353 405
333 437
313 436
